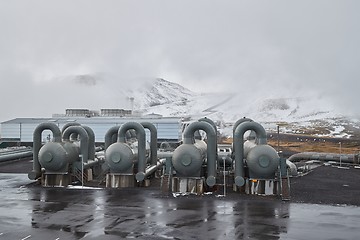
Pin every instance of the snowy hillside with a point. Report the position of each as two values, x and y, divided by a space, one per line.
296 115
310 114
159 92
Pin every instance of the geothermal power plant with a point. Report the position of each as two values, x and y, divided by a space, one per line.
152 177
193 165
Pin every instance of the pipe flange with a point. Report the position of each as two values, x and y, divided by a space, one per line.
211 181
239 181
186 160
264 161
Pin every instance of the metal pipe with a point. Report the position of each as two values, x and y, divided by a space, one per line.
347 158
84 139
211 148
238 122
109 135
141 136
10 151
36 172
92 163
73 136
208 120
239 146
150 170
91 134
292 167
153 141
16 155
165 154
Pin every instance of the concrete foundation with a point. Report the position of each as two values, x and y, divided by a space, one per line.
55 180
116 180
193 185
261 187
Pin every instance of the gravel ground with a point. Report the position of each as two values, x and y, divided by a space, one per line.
327 185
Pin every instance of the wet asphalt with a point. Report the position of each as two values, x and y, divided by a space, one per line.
28 211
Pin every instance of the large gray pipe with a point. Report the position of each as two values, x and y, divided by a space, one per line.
211 147
74 136
239 147
208 120
240 121
237 123
153 141
346 158
84 139
36 172
141 136
109 135
13 155
91 134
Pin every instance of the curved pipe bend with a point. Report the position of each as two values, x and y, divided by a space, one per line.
140 132
36 172
211 147
153 141
109 136
292 167
74 136
84 139
239 147
240 121
208 120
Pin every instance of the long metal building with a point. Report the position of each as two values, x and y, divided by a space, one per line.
21 129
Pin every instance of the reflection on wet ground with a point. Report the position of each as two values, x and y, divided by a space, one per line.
56 213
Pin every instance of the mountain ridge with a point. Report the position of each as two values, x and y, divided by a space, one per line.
295 114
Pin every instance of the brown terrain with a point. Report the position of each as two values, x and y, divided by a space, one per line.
290 144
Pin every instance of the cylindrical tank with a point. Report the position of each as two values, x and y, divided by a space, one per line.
120 157
188 159
262 161
55 157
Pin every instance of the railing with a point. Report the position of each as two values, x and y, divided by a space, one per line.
81 177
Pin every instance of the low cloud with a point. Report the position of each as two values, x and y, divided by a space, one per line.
256 49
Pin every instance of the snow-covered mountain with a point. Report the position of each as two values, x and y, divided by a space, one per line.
296 115
306 114
158 92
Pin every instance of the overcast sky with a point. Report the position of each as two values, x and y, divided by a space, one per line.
257 48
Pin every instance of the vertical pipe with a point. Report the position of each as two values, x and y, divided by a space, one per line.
153 141
140 175
36 172
211 147
109 134
20 132
239 147
91 134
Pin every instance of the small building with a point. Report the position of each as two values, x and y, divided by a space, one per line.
22 129
114 112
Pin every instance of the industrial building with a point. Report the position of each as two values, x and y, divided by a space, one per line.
22 129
